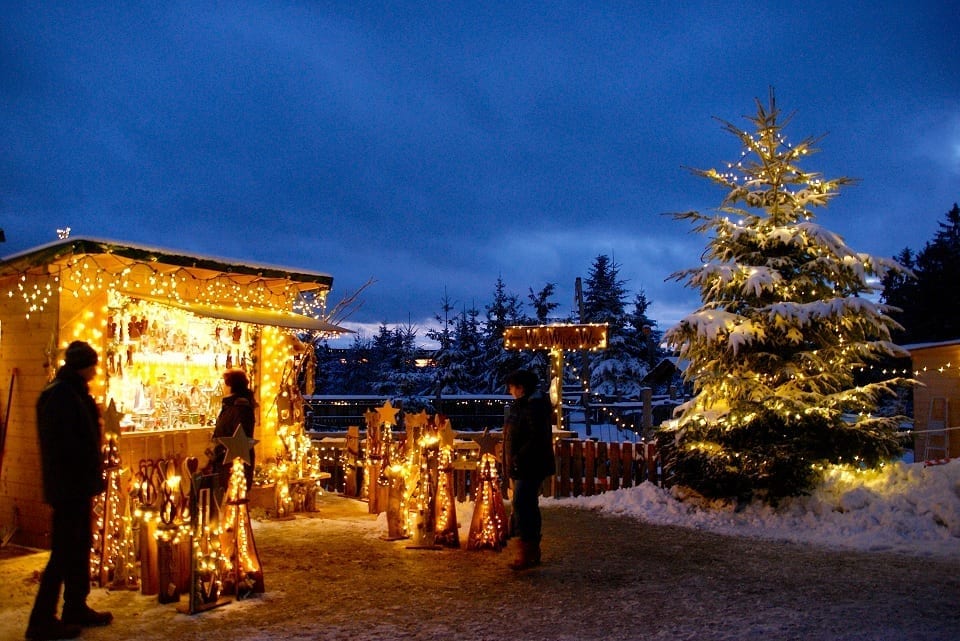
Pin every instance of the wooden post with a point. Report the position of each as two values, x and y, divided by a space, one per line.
149 579
563 447
168 570
603 468
590 467
650 456
613 455
576 467
646 394
626 465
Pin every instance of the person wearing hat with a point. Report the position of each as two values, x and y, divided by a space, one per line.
528 460
68 425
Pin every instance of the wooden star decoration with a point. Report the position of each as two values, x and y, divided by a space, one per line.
238 446
111 419
418 420
446 434
487 442
388 413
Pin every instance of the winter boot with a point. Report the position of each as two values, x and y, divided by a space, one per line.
525 556
85 616
535 553
52 629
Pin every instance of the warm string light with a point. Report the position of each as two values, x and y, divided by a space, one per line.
89 275
242 562
447 532
488 527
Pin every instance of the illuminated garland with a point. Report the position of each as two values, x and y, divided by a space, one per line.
87 275
242 562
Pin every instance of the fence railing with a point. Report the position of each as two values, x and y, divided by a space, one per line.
583 468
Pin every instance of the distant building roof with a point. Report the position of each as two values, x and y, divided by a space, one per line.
916 347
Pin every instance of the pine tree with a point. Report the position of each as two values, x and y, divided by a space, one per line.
643 337
469 342
505 310
355 375
394 358
785 321
541 303
900 293
444 358
934 313
617 370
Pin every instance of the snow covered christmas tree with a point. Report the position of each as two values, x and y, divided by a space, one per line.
786 321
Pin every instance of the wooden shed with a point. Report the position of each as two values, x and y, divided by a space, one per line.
166 324
936 400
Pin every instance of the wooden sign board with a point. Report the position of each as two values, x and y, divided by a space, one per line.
564 337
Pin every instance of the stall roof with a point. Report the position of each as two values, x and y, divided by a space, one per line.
63 250
255 316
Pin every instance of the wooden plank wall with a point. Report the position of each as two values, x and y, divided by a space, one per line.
939 372
23 342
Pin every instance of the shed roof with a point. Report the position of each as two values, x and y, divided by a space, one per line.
124 253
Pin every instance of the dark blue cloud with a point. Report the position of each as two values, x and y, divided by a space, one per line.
436 147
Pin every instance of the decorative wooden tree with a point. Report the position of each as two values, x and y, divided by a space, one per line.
488 527
245 576
244 573
107 563
423 443
208 566
447 531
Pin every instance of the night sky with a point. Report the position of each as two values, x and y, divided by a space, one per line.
436 146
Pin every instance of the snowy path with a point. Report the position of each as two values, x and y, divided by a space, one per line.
330 576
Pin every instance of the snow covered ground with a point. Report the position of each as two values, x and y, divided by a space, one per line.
906 509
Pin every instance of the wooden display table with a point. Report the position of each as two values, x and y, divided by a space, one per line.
164 444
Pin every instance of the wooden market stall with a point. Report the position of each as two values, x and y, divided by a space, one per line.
166 325
936 399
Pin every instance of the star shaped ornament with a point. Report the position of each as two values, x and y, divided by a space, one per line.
238 446
487 442
418 420
111 419
446 434
388 413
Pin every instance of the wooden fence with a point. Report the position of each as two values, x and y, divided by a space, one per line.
583 468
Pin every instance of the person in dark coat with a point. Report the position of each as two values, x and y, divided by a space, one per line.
68 426
528 460
236 409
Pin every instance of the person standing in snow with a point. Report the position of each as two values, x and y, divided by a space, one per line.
236 409
528 460
69 430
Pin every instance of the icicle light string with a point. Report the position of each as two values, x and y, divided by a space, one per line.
87 276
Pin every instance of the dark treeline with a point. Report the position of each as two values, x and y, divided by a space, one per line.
929 298
470 357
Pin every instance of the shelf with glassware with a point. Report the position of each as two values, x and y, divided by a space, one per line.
164 371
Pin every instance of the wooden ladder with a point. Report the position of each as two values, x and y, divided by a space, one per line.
937 440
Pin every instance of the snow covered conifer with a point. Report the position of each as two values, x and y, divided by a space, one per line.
785 322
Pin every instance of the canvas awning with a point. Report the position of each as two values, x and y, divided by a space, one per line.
255 316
